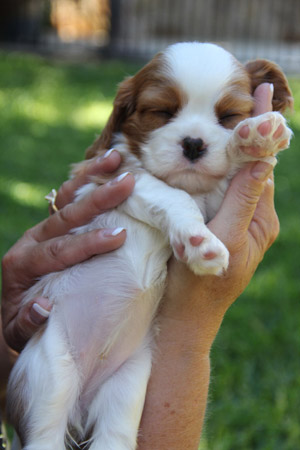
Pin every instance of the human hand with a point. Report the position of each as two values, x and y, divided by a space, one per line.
194 306
247 224
47 247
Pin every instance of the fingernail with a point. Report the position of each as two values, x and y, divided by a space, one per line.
112 232
108 153
38 314
105 156
261 170
272 160
119 178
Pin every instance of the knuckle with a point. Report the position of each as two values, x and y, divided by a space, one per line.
7 260
269 230
28 235
64 192
60 251
274 230
65 187
67 215
248 196
55 249
96 200
10 259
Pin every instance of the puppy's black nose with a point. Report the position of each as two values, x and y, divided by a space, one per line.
193 148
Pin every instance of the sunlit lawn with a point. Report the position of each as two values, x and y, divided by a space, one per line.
50 112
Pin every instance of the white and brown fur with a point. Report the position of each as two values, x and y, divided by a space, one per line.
83 376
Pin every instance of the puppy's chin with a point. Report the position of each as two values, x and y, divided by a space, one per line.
193 181
172 167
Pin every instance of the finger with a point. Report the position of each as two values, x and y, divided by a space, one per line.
62 252
79 213
99 165
27 321
59 253
240 202
263 96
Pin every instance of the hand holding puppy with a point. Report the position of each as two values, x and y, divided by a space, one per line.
47 247
194 307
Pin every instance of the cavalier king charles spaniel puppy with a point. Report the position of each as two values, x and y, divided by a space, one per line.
183 126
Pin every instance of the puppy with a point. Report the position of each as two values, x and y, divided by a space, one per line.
183 126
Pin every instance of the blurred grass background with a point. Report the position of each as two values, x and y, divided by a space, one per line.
50 113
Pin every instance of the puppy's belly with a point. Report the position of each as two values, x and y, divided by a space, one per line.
106 323
103 308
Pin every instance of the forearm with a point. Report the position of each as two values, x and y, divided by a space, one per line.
177 393
176 398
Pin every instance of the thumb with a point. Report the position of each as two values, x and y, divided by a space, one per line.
240 201
29 319
263 96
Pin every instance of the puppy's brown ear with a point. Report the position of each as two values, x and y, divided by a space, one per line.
124 105
263 71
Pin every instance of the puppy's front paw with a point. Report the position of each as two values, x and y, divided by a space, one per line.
201 250
262 136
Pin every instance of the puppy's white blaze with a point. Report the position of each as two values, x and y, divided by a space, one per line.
201 70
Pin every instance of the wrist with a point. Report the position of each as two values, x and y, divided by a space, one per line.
194 307
190 297
191 334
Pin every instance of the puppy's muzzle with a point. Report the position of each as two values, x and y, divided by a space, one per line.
193 149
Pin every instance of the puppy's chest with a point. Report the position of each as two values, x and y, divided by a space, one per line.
210 202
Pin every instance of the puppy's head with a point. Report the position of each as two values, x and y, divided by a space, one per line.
179 111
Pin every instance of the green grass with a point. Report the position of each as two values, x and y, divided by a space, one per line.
50 112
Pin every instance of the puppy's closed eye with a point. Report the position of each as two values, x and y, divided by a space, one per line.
156 116
229 119
165 114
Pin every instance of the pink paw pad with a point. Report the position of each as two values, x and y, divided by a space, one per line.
264 128
195 241
278 132
210 255
244 132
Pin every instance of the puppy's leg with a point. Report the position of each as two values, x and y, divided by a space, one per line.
177 216
50 392
116 410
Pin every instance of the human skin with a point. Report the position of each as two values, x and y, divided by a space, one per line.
193 307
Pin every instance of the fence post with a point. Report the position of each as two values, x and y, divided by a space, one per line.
115 10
